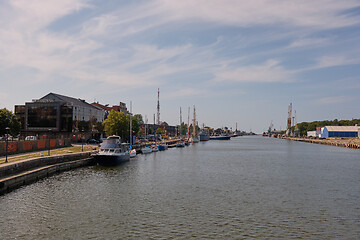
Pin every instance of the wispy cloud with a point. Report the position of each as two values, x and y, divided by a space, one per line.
335 100
333 61
319 14
270 71
310 42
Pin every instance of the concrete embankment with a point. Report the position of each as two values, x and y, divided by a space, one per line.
348 143
14 175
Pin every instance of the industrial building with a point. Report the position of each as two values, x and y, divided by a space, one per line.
340 131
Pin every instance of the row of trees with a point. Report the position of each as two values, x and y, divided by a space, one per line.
304 127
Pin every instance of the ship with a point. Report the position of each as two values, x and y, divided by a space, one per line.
204 135
112 152
220 137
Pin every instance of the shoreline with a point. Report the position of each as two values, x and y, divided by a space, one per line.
338 142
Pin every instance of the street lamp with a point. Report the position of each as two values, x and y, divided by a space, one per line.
49 141
7 142
82 140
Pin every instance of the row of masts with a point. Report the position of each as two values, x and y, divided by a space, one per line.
188 123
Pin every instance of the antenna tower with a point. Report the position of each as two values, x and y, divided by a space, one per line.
158 108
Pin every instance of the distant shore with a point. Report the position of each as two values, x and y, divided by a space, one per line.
339 142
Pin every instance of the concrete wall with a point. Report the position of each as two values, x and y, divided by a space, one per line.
29 146
14 175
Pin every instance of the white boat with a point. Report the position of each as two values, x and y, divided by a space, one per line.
146 149
194 140
112 152
155 148
132 153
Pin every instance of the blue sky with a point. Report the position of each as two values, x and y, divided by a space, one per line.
236 61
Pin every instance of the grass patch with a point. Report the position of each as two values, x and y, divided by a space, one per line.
53 152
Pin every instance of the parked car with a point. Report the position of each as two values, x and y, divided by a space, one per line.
30 138
92 141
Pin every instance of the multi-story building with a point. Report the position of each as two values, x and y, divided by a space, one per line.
56 113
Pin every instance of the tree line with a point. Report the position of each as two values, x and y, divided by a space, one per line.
304 127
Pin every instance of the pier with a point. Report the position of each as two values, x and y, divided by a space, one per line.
338 142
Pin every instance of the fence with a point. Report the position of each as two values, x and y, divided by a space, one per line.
30 146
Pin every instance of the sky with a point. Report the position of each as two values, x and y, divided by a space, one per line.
238 62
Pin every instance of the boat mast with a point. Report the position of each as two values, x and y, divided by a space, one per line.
188 130
130 125
194 124
146 121
154 130
180 125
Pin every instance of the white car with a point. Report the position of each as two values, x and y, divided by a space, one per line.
30 138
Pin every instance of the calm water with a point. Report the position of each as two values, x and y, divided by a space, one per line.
245 188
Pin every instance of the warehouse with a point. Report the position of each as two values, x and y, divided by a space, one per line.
340 131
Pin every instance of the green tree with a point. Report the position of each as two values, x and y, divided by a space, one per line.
136 121
160 131
184 128
117 123
8 119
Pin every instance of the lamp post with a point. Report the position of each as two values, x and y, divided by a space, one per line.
7 143
82 140
49 141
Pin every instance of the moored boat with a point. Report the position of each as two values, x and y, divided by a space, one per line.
204 135
180 144
154 148
146 149
112 152
220 137
163 147
132 153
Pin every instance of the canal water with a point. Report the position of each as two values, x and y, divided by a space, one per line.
245 188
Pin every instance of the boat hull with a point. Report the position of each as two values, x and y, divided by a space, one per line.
204 137
111 160
146 150
220 137
162 147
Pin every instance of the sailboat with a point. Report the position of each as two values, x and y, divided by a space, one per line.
154 147
146 149
132 151
194 138
180 143
187 140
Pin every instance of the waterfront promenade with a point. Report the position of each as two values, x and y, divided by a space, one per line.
22 169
